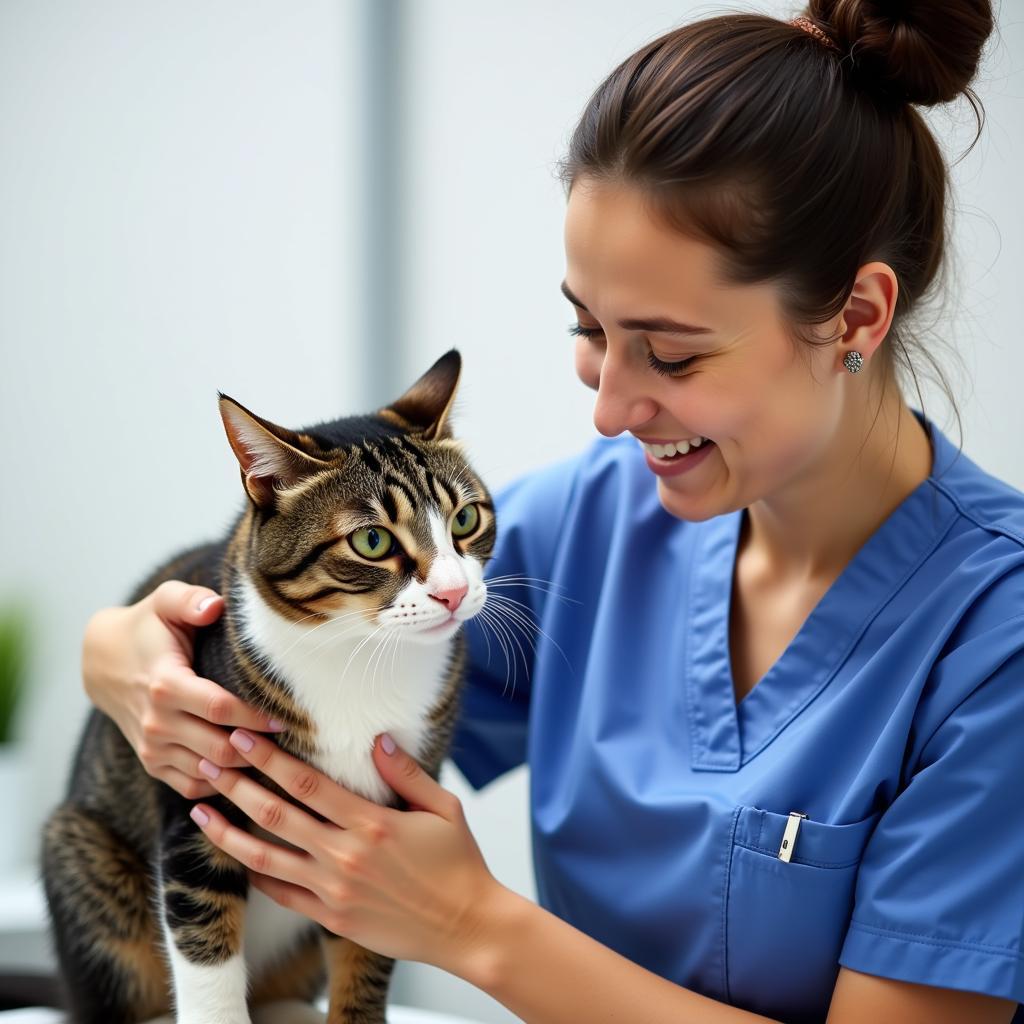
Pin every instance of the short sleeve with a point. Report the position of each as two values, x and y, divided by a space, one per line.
491 732
939 897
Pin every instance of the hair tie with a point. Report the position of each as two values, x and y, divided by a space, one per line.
808 26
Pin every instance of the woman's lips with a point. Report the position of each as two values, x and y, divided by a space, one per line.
679 464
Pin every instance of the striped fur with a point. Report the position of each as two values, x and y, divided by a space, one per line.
146 913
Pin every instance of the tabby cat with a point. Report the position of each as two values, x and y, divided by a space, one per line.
346 577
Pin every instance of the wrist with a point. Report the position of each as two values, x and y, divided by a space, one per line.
96 669
488 949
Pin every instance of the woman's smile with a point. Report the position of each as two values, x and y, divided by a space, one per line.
676 464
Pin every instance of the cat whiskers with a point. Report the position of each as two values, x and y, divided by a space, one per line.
460 479
517 610
527 583
344 624
394 638
533 625
381 645
359 647
394 655
334 619
502 634
518 615
341 634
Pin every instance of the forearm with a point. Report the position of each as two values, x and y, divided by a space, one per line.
547 972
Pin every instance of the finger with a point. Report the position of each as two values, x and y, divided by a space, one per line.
166 729
266 809
181 602
180 759
182 762
405 775
201 739
183 759
295 897
305 783
185 785
208 700
253 852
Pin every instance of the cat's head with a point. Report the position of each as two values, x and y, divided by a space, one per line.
378 519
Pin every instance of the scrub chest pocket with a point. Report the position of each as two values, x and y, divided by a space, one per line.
785 922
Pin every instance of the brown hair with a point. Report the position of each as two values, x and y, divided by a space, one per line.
798 162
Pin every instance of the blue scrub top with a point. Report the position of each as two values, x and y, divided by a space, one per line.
894 720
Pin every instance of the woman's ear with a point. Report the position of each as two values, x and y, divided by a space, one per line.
870 308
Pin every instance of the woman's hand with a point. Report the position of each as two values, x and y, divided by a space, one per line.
137 668
411 885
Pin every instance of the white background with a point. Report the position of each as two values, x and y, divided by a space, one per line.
188 198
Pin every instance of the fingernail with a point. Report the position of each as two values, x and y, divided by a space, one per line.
208 768
205 603
241 740
387 743
199 816
275 726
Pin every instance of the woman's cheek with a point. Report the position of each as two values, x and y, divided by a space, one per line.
588 362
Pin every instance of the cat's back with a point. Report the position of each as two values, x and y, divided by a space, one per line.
107 780
200 565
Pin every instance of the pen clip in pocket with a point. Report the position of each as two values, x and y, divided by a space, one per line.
789 836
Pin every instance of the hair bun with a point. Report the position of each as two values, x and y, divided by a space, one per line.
915 51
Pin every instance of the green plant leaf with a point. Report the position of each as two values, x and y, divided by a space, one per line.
14 632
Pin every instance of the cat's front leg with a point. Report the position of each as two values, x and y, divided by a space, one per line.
358 981
203 893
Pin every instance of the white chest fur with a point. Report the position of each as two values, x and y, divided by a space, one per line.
353 686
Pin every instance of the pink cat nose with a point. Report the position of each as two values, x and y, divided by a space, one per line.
451 599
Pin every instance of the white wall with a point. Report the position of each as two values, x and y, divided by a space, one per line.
180 211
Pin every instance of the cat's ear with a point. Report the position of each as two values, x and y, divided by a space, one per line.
427 405
270 456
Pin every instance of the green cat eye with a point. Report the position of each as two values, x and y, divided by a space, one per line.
372 541
465 521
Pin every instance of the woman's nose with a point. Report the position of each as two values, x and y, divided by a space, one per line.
623 397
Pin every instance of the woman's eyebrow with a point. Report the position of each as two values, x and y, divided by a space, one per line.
654 325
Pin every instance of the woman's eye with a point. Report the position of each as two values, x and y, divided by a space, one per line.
656 364
372 542
675 367
464 522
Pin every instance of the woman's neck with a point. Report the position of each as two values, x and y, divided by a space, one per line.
809 533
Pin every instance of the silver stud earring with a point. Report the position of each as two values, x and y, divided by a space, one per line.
853 361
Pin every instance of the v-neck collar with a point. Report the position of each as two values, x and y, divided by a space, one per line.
724 735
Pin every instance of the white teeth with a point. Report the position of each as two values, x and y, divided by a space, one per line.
665 451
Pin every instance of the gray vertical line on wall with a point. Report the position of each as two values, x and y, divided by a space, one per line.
384 284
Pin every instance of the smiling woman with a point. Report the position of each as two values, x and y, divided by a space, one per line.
650 282
774 706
